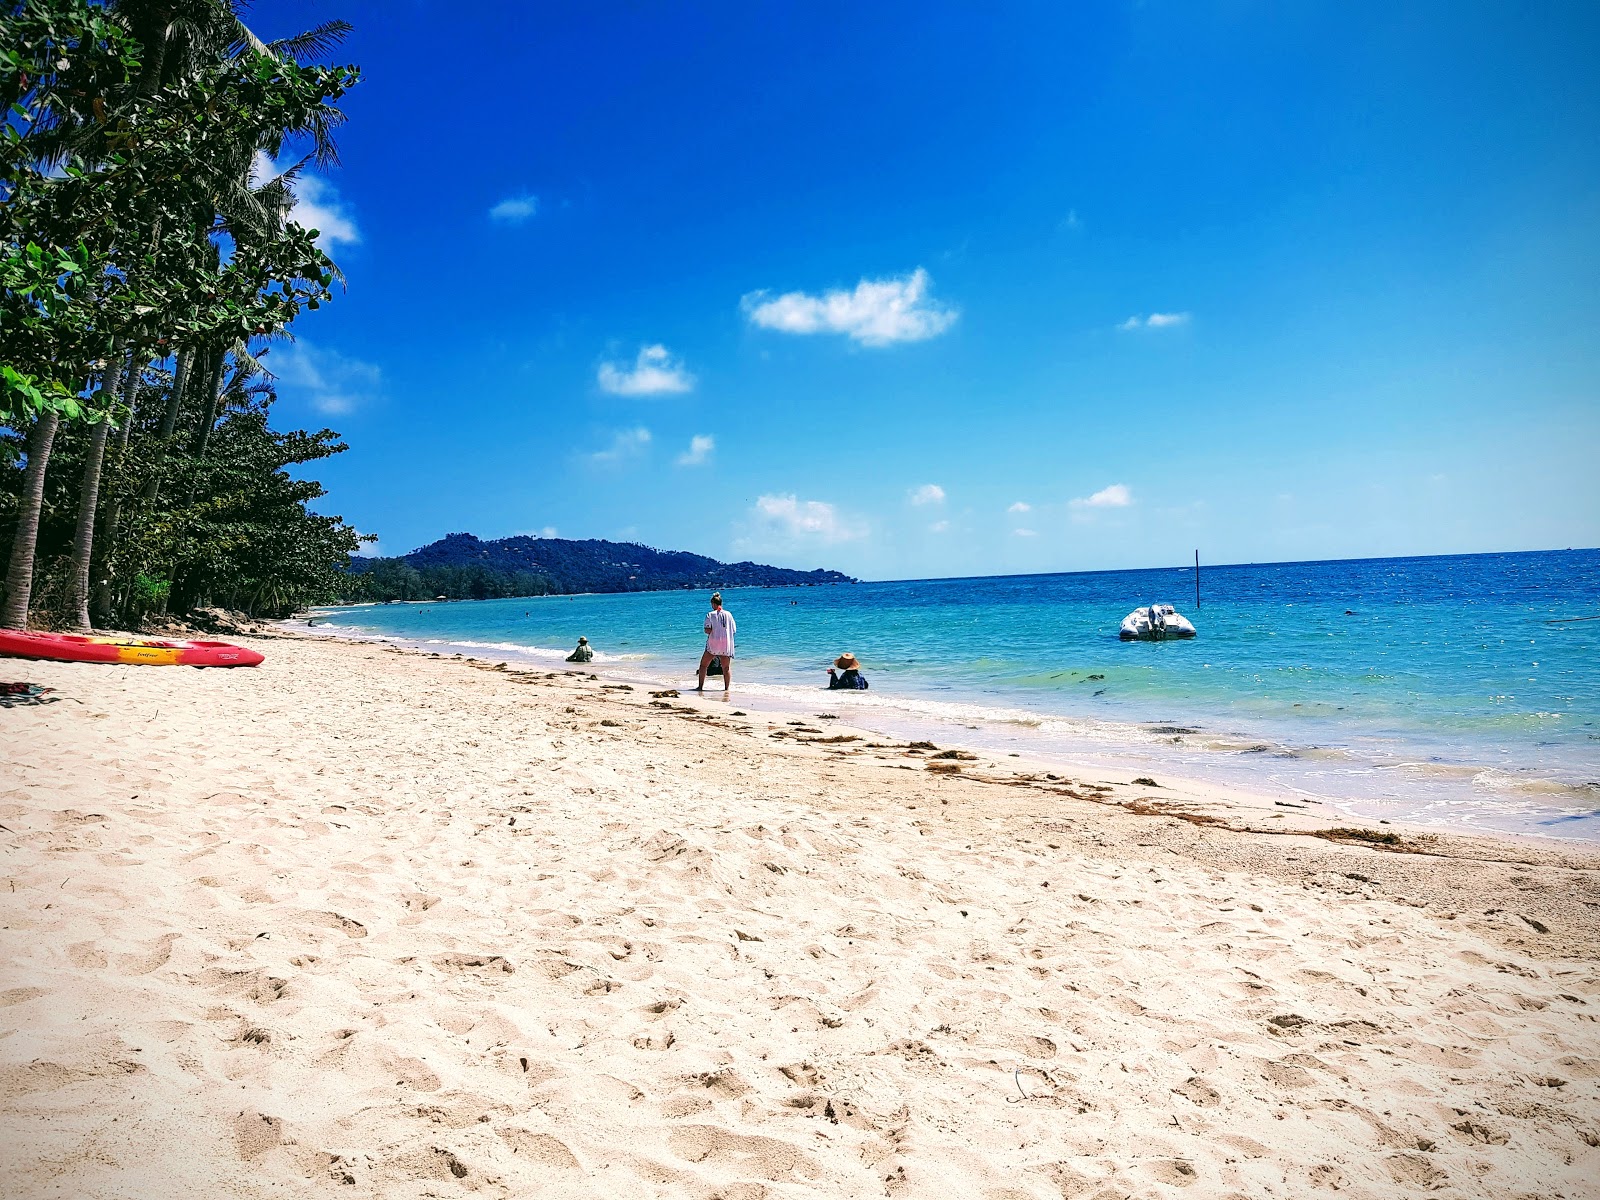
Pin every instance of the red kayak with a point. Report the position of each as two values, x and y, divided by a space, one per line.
72 647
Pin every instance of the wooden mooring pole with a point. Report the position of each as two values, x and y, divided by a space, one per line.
1197 581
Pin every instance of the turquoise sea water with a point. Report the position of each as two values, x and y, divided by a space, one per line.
1431 690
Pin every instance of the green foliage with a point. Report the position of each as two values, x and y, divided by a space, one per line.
126 212
40 290
148 592
129 225
386 579
237 529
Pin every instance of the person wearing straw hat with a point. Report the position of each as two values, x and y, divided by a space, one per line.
845 674
720 628
584 653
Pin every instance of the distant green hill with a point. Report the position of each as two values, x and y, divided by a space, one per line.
463 567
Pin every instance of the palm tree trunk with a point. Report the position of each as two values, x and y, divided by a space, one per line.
111 521
19 578
208 418
169 420
89 497
83 542
150 26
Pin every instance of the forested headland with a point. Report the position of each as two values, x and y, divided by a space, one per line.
148 264
463 567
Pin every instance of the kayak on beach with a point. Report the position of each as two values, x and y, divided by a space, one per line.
72 647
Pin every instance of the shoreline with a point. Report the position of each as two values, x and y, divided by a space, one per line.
366 922
1404 792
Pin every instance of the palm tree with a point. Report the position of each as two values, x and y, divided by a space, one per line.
89 496
111 522
176 31
19 576
179 40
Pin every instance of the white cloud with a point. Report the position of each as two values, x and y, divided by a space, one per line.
1024 533
1115 496
939 527
316 204
699 452
514 210
928 493
332 383
879 312
1021 506
655 372
796 518
628 443
1155 321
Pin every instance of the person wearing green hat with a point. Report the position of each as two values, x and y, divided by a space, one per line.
720 628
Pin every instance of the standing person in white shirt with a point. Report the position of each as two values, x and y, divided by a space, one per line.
720 628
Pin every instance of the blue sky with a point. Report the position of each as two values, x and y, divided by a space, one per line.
949 289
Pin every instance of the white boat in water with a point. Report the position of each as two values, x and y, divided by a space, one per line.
1155 623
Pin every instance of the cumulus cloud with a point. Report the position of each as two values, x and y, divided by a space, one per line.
939 527
316 203
655 372
1023 533
1021 506
514 210
699 452
330 381
1155 321
879 312
1115 496
928 493
811 519
628 443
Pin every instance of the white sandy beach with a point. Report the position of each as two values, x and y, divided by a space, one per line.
364 922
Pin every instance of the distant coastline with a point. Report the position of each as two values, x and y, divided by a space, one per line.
461 566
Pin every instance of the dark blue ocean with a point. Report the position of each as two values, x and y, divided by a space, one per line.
1449 691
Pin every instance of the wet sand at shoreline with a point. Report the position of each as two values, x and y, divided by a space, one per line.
364 921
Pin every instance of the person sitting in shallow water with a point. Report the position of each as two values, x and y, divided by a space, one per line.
584 652
845 674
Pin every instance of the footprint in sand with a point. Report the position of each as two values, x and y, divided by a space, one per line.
1174 1172
434 1162
44 1076
1199 1093
86 955
255 1133
764 1157
254 985
155 954
351 927
540 1148
489 963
